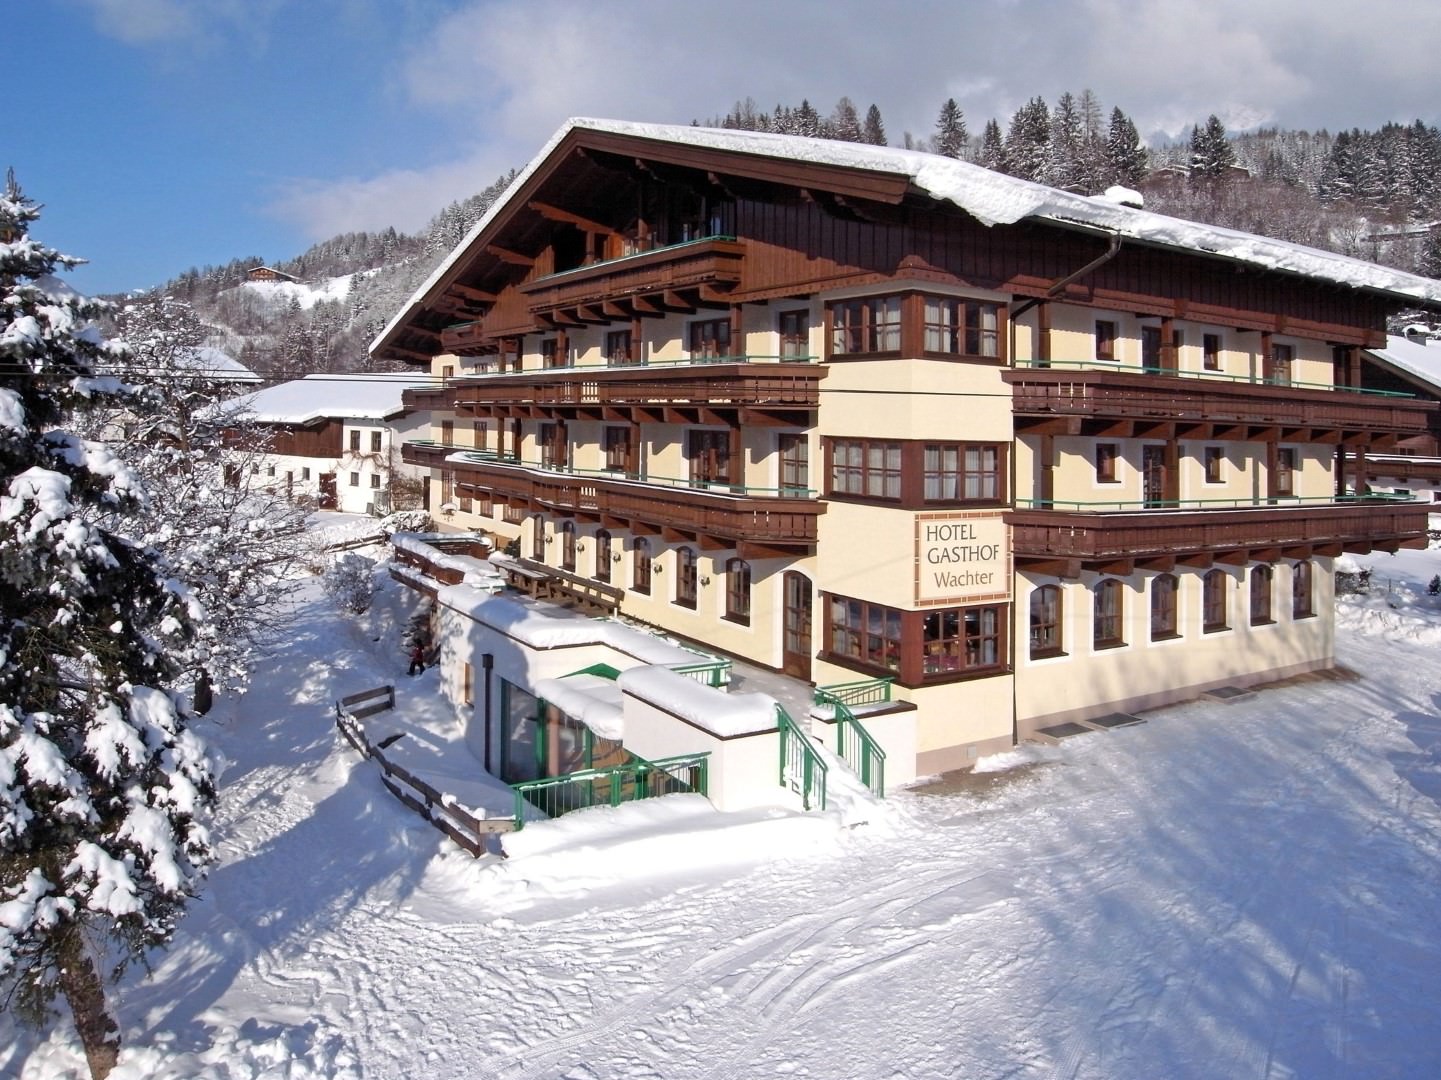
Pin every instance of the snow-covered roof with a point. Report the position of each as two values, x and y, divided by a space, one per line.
335 397
593 700
1420 361
723 715
216 364
992 198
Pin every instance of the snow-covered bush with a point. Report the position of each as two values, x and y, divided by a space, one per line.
350 582
405 521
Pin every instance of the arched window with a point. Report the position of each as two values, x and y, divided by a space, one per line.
567 546
1163 607
1261 595
602 556
685 577
1107 624
640 565
537 538
1046 621
738 591
1302 606
1215 601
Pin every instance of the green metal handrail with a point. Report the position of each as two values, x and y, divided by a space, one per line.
1205 376
856 746
1129 506
631 782
801 768
862 692
713 673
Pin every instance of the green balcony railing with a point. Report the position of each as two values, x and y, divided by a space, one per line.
713 673
636 780
862 692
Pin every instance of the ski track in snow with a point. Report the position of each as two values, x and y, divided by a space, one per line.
1246 890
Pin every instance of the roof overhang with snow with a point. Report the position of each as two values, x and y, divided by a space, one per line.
580 158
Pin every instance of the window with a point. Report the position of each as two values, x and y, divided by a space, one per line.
685 577
711 338
866 467
1211 352
866 326
955 471
708 453
795 477
554 453
738 591
866 632
537 539
567 546
640 565
270 470
447 432
1279 369
602 556
375 442
305 474
1046 621
1283 477
1301 592
1214 603
1163 607
618 347
375 479
1107 623
355 442
1105 339
617 449
1215 457
961 327
477 434
1260 595
1151 347
1106 463
550 352
959 639
795 332
355 479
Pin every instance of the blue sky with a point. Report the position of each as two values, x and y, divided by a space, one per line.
164 134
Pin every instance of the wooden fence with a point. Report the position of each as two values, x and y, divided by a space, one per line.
434 806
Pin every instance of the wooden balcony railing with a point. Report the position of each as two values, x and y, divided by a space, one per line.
716 260
1358 524
1042 394
1418 469
736 516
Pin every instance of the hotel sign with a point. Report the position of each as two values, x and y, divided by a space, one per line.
962 558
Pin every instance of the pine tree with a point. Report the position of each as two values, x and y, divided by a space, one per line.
951 134
103 790
1028 142
845 123
993 147
875 131
1068 139
1126 159
807 120
1212 155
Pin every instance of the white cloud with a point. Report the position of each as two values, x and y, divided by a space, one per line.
140 22
504 74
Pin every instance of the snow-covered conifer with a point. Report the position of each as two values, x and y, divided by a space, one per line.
103 790
951 134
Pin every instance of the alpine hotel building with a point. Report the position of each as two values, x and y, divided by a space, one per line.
848 411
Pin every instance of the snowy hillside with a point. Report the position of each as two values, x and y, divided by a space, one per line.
277 295
1241 891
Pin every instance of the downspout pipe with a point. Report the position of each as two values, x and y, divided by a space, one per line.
1112 250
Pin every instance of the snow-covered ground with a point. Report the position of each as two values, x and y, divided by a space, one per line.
1242 890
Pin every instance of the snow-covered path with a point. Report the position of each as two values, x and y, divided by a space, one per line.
1243 890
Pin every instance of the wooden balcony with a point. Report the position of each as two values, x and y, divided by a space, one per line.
716 262
428 399
1405 468
1120 403
768 392
755 525
1065 542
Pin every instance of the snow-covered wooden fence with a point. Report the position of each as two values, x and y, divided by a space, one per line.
436 807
